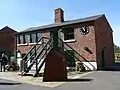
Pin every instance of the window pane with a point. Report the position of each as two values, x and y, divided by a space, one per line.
38 36
33 38
71 36
18 41
27 38
65 35
21 39
68 33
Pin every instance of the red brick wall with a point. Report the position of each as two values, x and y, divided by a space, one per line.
26 47
83 41
100 36
7 40
104 40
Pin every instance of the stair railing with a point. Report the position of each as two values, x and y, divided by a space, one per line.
47 48
40 55
64 47
33 52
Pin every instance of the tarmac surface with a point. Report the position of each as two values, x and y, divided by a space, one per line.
37 80
96 80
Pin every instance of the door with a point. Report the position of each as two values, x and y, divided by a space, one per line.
102 59
56 38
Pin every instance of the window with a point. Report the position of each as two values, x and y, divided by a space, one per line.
27 38
18 39
38 36
21 39
33 38
68 33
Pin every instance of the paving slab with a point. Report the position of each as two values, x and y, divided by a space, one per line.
37 80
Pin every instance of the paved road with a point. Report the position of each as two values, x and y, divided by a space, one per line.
98 80
12 85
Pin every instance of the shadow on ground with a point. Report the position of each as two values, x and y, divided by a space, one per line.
79 80
114 67
5 83
72 80
39 75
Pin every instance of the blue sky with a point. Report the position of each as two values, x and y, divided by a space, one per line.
22 14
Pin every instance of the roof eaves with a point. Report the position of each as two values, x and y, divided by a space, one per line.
92 18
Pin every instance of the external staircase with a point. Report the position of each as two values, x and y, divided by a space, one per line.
34 61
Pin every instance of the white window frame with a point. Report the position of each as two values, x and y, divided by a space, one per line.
70 40
29 43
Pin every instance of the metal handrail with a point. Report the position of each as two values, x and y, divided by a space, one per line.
75 57
33 53
77 54
34 48
43 57
32 63
41 50
45 53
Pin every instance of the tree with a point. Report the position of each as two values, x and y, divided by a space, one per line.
116 52
116 49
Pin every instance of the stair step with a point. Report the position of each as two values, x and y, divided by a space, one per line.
34 69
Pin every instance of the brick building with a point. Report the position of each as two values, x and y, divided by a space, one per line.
7 41
90 37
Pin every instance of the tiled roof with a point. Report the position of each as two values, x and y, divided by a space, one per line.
7 28
91 18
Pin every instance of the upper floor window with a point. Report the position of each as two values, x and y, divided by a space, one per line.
33 38
38 36
69 33
27 38
18 40
21 39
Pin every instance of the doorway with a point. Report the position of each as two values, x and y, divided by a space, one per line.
56 38
102 59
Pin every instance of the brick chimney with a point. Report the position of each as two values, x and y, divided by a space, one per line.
59 15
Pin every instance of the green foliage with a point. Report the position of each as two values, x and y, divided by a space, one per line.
116 49
116 52
117 55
